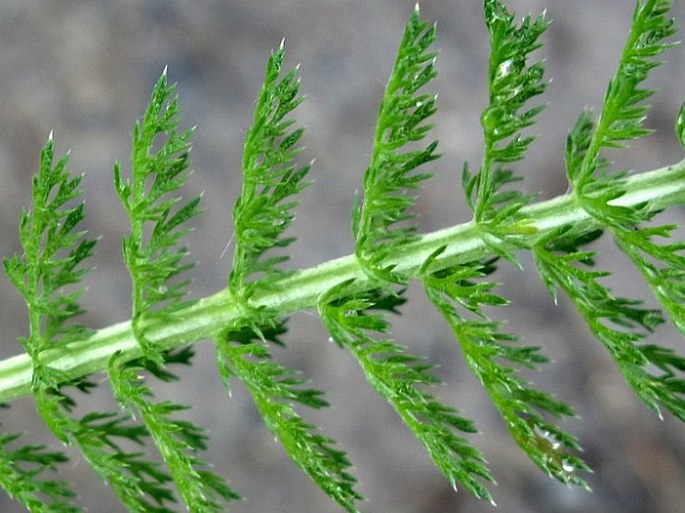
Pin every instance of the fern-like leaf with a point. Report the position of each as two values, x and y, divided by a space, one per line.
261 215
460 292
619 323
353 294
379 222
100 437
155 260
381 226
270 178
621 119
493 356
20 476
662 266
660 261
512 83
151 250
177 440
276 390
52 258
622 115
399 377
53 254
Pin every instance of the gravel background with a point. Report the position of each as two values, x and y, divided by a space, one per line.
85 69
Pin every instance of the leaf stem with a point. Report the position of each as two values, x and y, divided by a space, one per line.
660 189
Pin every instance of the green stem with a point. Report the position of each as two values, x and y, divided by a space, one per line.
661 189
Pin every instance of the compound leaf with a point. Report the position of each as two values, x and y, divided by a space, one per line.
400 378
381 220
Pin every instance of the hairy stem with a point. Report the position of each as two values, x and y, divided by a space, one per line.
660 189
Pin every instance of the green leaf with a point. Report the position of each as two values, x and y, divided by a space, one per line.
276 390
159 168
177 440
622 115
381 221
399 377
52 258
453 264
155 260
53 252
261 215
661 265
460 294
264 209
619 324
140 485
577 145
20 471
512 83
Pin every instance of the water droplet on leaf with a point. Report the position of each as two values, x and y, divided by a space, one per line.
504 68
568 466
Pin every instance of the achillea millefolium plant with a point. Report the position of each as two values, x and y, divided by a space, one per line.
146 450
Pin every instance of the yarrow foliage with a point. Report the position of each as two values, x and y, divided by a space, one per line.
354 296
154 259
390 179
401 378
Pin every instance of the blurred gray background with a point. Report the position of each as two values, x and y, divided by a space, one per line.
85 69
